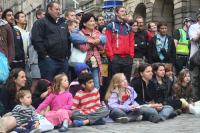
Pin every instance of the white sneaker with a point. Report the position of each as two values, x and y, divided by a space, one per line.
122 120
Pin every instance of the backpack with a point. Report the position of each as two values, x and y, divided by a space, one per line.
4 68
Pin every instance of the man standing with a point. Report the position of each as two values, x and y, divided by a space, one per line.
181 40
19 59
40 13
21 23
120 44
50 38
70 15
6 40
194 34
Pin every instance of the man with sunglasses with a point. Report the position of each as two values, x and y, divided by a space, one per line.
79 14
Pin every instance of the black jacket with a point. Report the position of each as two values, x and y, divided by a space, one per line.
170 56
51 38
19 47
144 92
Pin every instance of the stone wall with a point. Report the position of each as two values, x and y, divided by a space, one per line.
171 11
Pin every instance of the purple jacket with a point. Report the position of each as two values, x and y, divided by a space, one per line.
115 102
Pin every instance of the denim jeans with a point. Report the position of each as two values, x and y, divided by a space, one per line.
26 129
148 112
95 75
117 113
50 67
166 112
163 114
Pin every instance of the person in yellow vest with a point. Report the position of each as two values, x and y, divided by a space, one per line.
181 41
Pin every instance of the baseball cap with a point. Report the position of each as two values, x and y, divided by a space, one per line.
78 11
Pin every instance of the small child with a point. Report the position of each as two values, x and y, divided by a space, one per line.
86 104
25 114
80 68
43 89
121 100
60 102
182 90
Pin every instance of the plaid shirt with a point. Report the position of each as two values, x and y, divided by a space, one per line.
93 50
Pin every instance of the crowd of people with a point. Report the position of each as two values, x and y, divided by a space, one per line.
81 70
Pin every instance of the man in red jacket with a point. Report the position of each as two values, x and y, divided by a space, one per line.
120 44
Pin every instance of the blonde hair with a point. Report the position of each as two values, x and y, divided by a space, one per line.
57 82
21 93
114 84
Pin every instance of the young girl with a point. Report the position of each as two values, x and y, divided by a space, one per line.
121 100
182 90
169 72
60 102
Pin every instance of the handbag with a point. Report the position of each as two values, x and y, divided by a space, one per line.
195 59
77 56
4 68
45 125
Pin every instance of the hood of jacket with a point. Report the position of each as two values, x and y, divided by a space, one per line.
3 22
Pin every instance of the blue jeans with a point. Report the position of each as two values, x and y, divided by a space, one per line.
26 129
117 113
163 114
166 112
95 75
50 67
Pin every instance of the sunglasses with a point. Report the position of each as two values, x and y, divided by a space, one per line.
79 14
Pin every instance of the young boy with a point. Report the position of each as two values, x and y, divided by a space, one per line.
79 68
25 114
87 109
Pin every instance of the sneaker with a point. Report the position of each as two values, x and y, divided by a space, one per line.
139 118
155 118
122 120
179 111
78 123
36 131
64 127
172 115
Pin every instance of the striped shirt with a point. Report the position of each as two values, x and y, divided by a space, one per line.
24 114
87 102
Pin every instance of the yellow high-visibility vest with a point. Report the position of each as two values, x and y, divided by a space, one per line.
183 44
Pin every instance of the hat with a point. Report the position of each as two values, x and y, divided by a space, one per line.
79 11
187 19
80 67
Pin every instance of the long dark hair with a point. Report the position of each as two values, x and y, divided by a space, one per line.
140 69
10 84
85 18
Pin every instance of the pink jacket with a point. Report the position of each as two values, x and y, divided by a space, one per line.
57 101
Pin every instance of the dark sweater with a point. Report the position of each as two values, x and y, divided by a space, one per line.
144 92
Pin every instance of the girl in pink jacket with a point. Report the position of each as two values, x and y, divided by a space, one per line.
60 102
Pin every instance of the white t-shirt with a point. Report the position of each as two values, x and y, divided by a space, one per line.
194 30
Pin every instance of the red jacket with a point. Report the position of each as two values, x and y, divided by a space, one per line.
120 40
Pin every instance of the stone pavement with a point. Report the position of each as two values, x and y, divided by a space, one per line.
184 123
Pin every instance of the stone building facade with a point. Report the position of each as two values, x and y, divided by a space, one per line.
29 7
171 11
